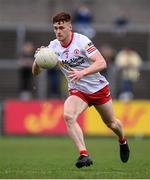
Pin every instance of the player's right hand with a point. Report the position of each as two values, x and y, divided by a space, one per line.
37 50
36 69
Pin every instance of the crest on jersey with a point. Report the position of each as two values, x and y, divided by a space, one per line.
76 52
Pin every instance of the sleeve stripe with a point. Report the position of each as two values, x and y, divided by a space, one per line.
90 50
90 47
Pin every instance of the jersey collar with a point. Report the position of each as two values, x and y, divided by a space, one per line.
65 46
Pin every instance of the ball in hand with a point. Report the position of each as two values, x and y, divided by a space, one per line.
46 58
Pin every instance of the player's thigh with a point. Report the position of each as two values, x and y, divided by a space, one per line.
106 112
74 105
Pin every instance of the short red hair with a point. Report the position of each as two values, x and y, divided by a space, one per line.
62 17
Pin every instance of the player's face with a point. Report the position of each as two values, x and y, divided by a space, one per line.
62 30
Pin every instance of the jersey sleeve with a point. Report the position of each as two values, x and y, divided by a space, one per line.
88 46
51 44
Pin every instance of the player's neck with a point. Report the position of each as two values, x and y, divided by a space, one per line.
68 41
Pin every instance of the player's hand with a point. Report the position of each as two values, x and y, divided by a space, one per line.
75 75
35 68
37 50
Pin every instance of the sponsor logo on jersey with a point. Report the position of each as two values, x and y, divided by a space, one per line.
73 62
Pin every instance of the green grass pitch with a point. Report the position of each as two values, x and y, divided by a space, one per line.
54 158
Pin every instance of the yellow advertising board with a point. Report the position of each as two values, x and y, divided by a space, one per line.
46 118
134 115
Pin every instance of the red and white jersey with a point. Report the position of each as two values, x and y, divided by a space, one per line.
77 55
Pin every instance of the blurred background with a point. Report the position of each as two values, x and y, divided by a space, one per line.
34 105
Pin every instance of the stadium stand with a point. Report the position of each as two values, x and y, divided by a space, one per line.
19 24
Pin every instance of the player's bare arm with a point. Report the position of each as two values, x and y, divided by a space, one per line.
98 65
35 69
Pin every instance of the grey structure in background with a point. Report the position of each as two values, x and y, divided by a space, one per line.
105 11
19 24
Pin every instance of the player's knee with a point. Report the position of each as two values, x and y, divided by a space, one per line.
69 118
111 124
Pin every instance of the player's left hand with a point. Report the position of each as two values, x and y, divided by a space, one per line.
75 75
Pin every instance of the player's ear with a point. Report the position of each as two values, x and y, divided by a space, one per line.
70 26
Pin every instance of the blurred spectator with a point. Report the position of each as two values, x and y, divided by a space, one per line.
128 62
109 53
25 62
54 83
83 19
121 22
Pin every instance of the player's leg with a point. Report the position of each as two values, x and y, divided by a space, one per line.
73 107
107 115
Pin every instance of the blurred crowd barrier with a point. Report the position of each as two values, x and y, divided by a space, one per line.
46 118
12 39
